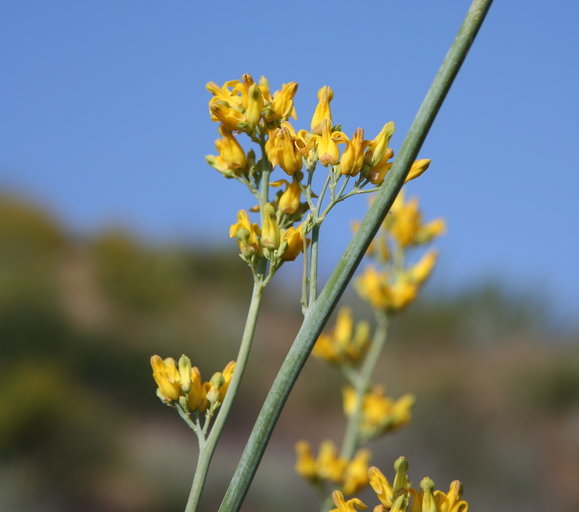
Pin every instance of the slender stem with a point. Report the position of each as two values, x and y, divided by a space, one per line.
313 277
351 436
208 448
321 309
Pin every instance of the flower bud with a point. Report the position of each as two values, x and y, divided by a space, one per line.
185 373
270 234
254 106
322 112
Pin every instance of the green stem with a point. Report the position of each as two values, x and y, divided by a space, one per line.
351 437
208 448
313 276
321 309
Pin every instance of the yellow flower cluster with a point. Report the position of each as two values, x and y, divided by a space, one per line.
401 497
182 382
395 287
249 107
347 343
380 413
350 476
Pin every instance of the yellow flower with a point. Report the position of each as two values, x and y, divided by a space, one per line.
227 376
305 463
281 149
328 152
353 158
378 147
418 168
381 487
346 506
228 116
255 105
322 112
329 465
264 89
167 377
289 201
451 502
231 154
270 233
430 230
246 233
406 221
356 474
422 270
295 243
282 103
345 344
225 96
197 398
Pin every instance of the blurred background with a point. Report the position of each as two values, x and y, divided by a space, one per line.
113 246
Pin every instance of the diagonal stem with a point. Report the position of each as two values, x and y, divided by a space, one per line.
321 309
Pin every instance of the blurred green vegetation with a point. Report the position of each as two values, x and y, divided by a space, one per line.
81 428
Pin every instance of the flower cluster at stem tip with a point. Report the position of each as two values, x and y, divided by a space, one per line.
250 108
180 385
400 496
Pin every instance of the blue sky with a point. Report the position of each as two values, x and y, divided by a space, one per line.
104 117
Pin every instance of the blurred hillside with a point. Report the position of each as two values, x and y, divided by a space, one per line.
81 428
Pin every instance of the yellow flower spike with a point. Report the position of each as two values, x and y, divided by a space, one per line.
323 111
329 465
166 376
282 103
289 201
228 116
196 394
356 474
281 149
231 153
295 243
381 486
270 233
346 506
305 462
353 158
227 376
185 373
246 234
422 270
378 147
255 105
418 168
328 152
428 501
